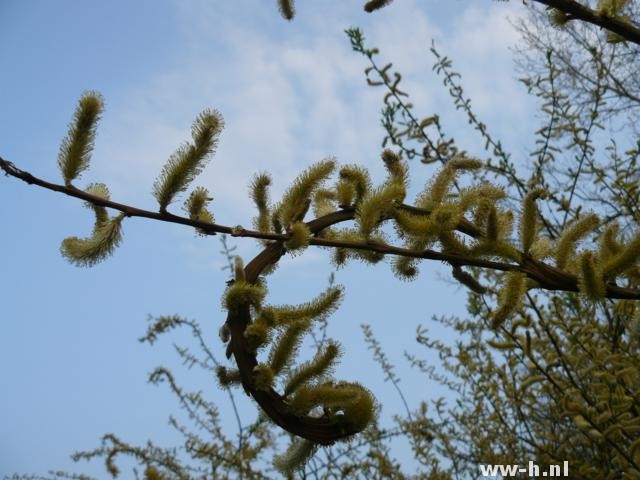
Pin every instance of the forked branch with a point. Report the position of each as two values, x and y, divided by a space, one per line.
547 276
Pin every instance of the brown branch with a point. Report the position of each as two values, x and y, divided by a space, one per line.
322 430
547 276
210 228
577 11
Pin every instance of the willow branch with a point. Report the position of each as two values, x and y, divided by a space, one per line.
577 11
546 276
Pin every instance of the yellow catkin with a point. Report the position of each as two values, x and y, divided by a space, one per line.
634 450
419 226
257 334
359 178
558 17
295 457
574 232
85 252
238 268
397 168
297 198
241 293
352 402
319 307
529 219
405 268
510 297
590 279
300 236
609 244
345 193
259 191
99 190
152 473
436 192
624 260
189 159
227 377
611 8
76 148
196 206
493 226
263 377
319 366
531 380
324 202
287 345
378 203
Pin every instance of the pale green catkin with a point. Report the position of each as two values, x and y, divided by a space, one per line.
263 377
358 177
397 168
566 244
287 345
300 236
196 207
242 292
378 203
76 148
257 334
324 202
590 278
259 191
321 306
227 377
189 159
316 368
436 192
86 252
297 198
529 219
624 260
510 297
405 268
99 190
295 457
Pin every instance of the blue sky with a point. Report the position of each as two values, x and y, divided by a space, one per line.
291 94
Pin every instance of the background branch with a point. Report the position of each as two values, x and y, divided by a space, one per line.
577 11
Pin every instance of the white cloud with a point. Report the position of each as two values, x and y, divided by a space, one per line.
291 100
285 107
481 49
